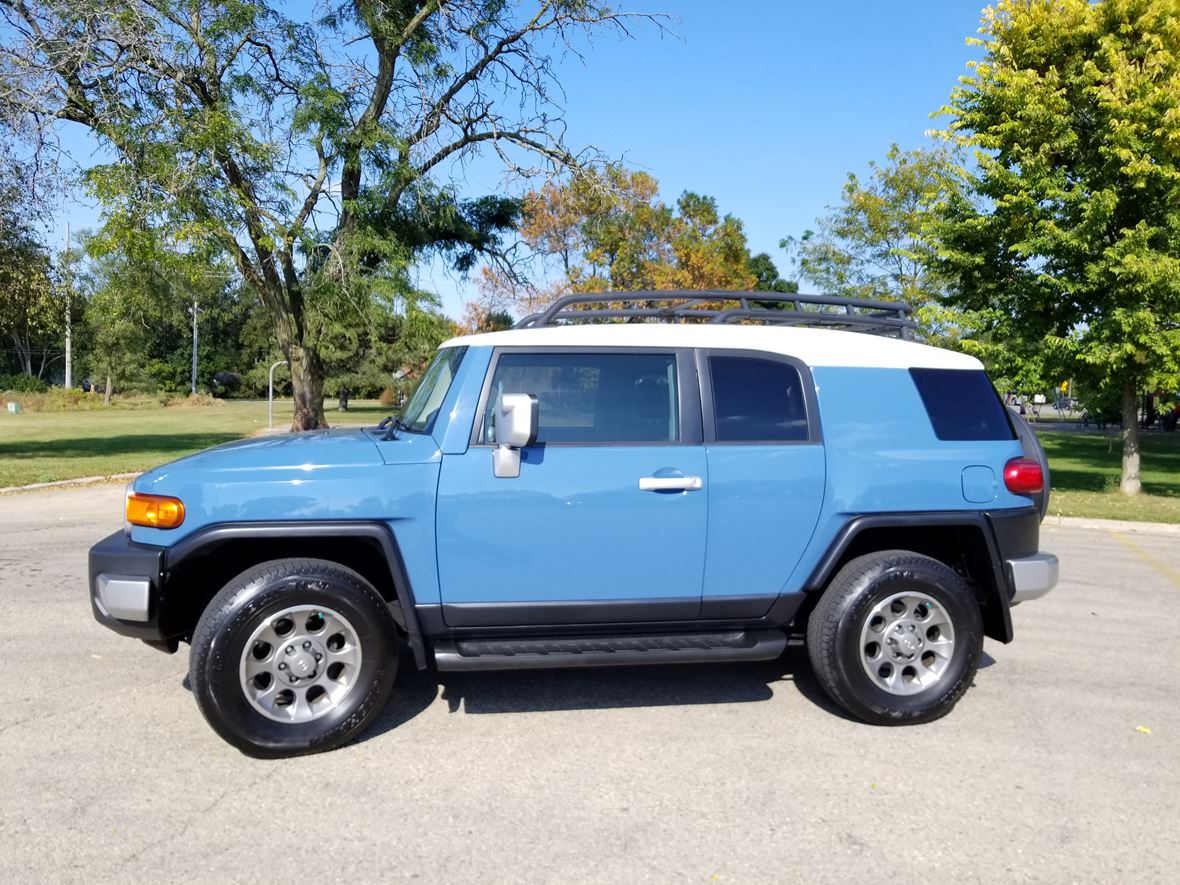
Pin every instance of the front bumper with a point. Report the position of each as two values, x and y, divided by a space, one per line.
1031 577
125 581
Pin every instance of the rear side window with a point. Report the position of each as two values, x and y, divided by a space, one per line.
962 404
592 398
756 400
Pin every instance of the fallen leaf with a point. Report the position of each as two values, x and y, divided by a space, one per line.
1143 729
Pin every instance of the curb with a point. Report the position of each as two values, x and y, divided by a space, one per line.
66 483
1165 529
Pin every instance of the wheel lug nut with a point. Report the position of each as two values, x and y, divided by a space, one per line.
307 645
294 679
318 656
290 649
282 666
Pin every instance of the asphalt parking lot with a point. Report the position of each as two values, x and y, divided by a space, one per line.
1062 764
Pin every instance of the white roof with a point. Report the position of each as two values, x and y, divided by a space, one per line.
815 347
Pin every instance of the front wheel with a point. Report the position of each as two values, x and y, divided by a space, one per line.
293 656
896 638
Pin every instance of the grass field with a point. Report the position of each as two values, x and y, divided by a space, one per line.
1085 471
47 446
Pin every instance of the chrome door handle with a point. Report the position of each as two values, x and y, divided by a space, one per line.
669 483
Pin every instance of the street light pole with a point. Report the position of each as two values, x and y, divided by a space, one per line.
194 308
69 323
270 406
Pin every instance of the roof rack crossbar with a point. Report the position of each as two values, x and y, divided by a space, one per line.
767 308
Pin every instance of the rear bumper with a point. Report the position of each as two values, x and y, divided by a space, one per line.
125 586
1031 577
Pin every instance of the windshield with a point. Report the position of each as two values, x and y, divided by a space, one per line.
422 409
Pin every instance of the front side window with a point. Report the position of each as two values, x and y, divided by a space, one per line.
592 398
757 400
420 412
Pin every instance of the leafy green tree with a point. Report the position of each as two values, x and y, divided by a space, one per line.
765 273
32 314
1074 116
878 241
301 147
138 320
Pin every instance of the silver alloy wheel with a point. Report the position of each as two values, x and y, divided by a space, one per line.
907 643
301 663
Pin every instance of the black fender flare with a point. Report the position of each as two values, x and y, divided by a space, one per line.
379 532
1000 623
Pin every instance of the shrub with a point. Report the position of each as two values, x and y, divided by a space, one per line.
388 397
22 384
58 399
195 400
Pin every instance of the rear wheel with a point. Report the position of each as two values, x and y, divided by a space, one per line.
896 638
293 656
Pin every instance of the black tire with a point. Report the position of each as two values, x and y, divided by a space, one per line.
251 602
835 634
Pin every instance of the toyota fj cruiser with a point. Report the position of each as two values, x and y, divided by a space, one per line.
642 478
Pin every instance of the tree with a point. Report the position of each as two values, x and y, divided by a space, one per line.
307 150
878 242
607 230
1074 116
31 312
765 273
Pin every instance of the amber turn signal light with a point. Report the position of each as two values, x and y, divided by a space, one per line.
154 511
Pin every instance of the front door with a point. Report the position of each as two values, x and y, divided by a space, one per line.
606 521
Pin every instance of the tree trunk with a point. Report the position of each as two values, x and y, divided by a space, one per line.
1130 480
106 397
24 355
307 387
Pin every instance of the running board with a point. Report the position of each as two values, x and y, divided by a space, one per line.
608 651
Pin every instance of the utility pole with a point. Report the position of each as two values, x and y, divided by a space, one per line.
194 309
69 324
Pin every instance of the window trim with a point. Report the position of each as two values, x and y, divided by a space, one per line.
810 401
687 394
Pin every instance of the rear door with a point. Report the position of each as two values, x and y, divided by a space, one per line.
606 521
766 476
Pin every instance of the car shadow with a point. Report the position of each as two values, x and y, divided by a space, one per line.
597 688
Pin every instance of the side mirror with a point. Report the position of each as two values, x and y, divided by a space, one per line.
516 427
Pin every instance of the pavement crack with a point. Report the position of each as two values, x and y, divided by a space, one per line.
199 815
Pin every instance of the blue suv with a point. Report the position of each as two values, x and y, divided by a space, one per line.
641 478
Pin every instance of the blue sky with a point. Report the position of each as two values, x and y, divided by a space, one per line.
764 105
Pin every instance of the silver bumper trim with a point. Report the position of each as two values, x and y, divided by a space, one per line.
122 597
1032 576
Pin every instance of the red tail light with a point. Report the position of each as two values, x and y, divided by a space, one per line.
1023 476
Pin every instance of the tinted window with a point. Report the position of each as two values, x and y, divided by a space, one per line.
592 397
757 400
962 404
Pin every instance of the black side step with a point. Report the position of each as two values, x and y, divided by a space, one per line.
609 651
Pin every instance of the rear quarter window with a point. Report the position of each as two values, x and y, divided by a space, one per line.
962 404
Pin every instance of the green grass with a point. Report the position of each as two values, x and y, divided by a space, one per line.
1085 470
47 446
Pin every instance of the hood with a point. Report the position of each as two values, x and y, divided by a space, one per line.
282 452
321 474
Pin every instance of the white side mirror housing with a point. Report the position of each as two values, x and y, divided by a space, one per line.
516 427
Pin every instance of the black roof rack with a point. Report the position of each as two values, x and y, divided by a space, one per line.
723 306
